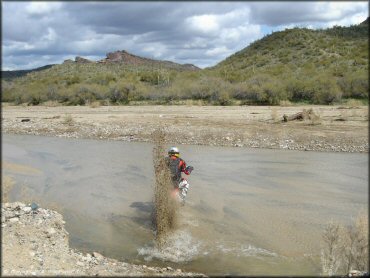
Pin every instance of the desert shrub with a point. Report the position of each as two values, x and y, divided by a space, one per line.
360 87
68 120
70 80
299 89
18 96
150 77
116 95
354 85
260 89
346 247
352 103
272 92
122 93
221 98
51 103
285 103
35 98
95 104
63 96
240 91
206 88
254 95
220 92
104 78
52 92
7 95
326 90
331 254
81 95
157 76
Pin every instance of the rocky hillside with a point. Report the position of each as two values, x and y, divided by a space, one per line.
129 59
10 74
334 51
119 58
125 58
295 65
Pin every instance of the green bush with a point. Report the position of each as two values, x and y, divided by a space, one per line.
299 89
326 90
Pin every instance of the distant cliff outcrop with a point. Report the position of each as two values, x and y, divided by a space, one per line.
82 60
124 57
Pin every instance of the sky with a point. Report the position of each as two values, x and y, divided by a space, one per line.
35 34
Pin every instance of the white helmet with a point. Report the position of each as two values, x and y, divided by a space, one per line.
173 151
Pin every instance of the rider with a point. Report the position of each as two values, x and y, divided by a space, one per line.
178 165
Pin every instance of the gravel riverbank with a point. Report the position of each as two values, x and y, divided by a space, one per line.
334 129
35 243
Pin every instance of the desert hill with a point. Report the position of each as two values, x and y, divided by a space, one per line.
298 65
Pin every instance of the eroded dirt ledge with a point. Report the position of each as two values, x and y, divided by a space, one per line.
35 243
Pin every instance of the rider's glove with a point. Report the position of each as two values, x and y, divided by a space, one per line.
189 169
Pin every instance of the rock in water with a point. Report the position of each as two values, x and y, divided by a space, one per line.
98 256
34 206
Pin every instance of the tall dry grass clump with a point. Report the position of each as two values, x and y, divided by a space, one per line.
95 104
165 206
346 248
68 120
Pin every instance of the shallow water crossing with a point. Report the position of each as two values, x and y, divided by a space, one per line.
248 211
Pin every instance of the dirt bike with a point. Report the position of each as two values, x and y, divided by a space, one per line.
180 191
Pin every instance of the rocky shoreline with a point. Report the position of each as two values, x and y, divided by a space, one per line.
35 243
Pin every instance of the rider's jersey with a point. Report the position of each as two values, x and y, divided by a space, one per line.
176 165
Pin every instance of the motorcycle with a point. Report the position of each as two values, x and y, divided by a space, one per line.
180 191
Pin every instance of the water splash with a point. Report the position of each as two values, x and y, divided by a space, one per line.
246 250
165 214
179 247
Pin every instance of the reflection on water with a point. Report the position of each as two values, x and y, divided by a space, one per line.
248 211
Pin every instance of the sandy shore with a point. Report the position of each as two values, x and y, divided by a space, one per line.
35 243
335 128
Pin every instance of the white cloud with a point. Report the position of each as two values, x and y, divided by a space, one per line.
206 24
156 50
201 33
217 51
241 34
39 8
196 43
50 36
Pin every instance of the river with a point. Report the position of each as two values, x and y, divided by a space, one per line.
248 211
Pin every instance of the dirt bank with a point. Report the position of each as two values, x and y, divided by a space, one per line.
336 128
35 242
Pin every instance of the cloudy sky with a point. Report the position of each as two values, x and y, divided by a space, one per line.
201 33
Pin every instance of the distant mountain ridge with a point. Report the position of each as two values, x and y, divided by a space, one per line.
299 65
9 74
126 58
130 59
118 57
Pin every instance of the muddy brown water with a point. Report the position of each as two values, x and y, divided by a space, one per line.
248 211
